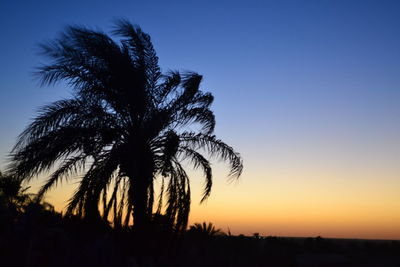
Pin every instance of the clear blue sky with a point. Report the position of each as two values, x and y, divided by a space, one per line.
303 89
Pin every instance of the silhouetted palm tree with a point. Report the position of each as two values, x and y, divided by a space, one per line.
124 127
205 229
12 195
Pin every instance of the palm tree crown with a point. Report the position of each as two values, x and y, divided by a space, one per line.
124 127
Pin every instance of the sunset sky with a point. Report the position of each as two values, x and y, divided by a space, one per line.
307 91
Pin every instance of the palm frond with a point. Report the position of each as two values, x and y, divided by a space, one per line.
70 167
96 179
199 161
216 148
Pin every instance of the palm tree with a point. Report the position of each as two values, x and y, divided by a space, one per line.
205 230
125 126
12 195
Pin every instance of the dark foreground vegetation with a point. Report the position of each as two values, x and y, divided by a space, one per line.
32 234
39 236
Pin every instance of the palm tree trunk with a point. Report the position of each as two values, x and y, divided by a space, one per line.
140 181
139 167
139 198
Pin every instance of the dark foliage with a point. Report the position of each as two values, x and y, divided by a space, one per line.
44 238
39 236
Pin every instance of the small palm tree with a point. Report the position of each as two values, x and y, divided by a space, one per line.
205 230
125 126
12 195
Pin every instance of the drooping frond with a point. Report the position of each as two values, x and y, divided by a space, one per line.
199 161
203 116
40 155
50 118
97 178
70 167
216 148
178 196
64 128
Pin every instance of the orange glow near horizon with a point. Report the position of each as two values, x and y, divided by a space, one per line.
309 204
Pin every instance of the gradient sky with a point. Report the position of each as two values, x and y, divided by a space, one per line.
307 91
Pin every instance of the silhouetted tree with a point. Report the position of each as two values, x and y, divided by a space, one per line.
124 127
205 230
13 196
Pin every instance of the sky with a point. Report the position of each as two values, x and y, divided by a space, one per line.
307 91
